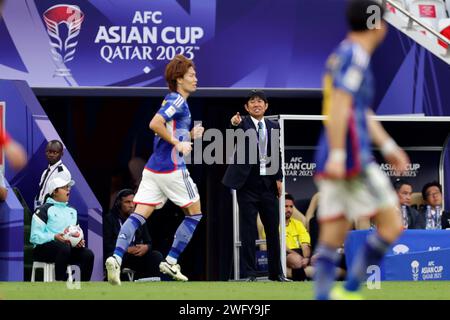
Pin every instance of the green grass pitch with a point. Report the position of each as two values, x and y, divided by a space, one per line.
432 290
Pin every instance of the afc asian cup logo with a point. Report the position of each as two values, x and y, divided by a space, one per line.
63 23
415 270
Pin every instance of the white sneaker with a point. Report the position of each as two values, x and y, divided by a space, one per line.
113 269
172 270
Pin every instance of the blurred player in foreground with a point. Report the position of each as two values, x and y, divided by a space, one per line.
350 183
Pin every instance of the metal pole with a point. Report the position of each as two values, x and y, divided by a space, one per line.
281 202
236 241
442 168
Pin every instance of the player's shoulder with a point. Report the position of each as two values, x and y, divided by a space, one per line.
43 209
63 168
173 99
355 54
348 54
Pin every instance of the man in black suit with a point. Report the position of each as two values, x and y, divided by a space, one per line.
256 175
432 195
404 192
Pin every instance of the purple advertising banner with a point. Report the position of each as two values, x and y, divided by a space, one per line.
300 169
235 44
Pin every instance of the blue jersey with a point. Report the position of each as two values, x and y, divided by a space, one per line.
165 158
348 69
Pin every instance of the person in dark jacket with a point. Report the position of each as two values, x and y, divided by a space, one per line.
432 195
404 193
139 257
257 183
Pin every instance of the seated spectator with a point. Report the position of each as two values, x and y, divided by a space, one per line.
139 257
298 244
47 226
432 195
404 192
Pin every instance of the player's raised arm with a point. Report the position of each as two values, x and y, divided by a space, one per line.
389 148
337 126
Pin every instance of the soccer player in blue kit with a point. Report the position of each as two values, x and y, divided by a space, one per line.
350 183
165 175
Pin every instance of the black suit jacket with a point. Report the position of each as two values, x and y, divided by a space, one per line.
421 220
111 229
445 219
414 218
236 175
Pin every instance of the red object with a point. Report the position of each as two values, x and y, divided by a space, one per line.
4 139
427 11
446 33
390 8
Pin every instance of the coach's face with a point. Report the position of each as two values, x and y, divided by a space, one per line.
256 107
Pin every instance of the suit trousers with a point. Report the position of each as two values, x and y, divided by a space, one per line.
253 199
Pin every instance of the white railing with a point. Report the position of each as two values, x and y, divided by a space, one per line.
412 19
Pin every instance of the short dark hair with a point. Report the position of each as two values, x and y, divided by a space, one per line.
358 14
175 69
257 94
429 185
53 142
398 183
288 196
120 195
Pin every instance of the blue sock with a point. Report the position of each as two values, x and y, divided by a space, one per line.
182 236
126 234
371 253
325 270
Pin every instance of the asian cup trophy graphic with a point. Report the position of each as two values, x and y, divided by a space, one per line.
63 27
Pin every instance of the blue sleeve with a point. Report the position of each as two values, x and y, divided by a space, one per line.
39 232
170 107
349 71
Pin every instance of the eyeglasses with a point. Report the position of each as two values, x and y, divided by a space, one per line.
433 194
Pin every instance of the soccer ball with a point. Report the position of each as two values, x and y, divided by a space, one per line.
73 234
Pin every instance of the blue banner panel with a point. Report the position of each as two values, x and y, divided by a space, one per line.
235 44
427 247
300 168
418 266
